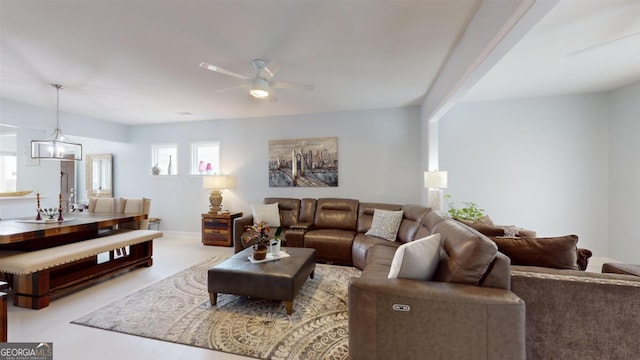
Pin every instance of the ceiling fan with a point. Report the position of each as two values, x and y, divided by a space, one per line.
261 84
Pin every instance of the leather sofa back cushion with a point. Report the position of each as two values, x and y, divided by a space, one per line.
552 252
413 216
307 210
433 218
340 214
289 210
468 253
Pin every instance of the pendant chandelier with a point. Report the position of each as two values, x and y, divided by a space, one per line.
54 147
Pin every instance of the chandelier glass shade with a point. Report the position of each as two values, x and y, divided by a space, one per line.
55 146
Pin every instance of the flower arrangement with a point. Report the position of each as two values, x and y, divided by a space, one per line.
258 234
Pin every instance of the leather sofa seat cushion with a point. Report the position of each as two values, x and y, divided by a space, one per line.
378 262
363 243
332 245
468 253
552 252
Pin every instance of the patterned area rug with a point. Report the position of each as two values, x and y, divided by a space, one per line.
177 309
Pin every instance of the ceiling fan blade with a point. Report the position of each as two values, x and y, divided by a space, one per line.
266 69
290 85
223 71
241 86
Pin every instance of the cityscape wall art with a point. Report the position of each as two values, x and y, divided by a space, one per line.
311 162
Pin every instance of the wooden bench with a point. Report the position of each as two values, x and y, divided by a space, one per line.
43 275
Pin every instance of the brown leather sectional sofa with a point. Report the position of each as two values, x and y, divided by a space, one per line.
473 309
467 312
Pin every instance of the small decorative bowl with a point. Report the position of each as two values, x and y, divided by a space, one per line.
50 212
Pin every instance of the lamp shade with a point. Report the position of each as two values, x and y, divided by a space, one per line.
215 182
435 179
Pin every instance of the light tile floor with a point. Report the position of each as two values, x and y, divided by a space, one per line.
172 253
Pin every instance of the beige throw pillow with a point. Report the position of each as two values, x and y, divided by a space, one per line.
416 260
268 214
385 224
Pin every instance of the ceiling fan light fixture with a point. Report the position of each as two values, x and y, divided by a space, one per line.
259 88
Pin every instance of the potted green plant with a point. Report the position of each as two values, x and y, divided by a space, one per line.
470 211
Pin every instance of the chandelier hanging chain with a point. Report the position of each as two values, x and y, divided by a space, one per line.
58 133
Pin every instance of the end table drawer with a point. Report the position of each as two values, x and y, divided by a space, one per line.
217 229
215 224
215 237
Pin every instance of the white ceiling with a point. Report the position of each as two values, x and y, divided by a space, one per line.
571 50
136 62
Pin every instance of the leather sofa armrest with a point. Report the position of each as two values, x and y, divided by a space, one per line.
392 318
295 234
304 226
239 224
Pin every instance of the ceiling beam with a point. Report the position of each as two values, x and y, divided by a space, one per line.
494 29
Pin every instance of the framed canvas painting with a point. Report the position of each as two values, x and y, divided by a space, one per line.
311 162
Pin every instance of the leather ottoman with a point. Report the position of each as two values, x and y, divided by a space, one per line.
274 280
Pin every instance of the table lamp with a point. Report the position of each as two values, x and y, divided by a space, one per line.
216 183
435 181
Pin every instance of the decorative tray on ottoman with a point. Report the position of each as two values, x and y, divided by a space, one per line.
270 257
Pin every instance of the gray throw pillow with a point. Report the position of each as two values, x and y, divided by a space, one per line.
385 224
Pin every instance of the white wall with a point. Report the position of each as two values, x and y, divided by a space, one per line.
624 169
379 160
536 163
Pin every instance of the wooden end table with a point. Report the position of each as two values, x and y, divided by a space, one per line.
217 229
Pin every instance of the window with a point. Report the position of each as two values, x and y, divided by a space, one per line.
205 158
164 159
8 158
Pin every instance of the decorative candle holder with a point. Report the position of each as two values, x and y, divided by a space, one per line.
50 212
